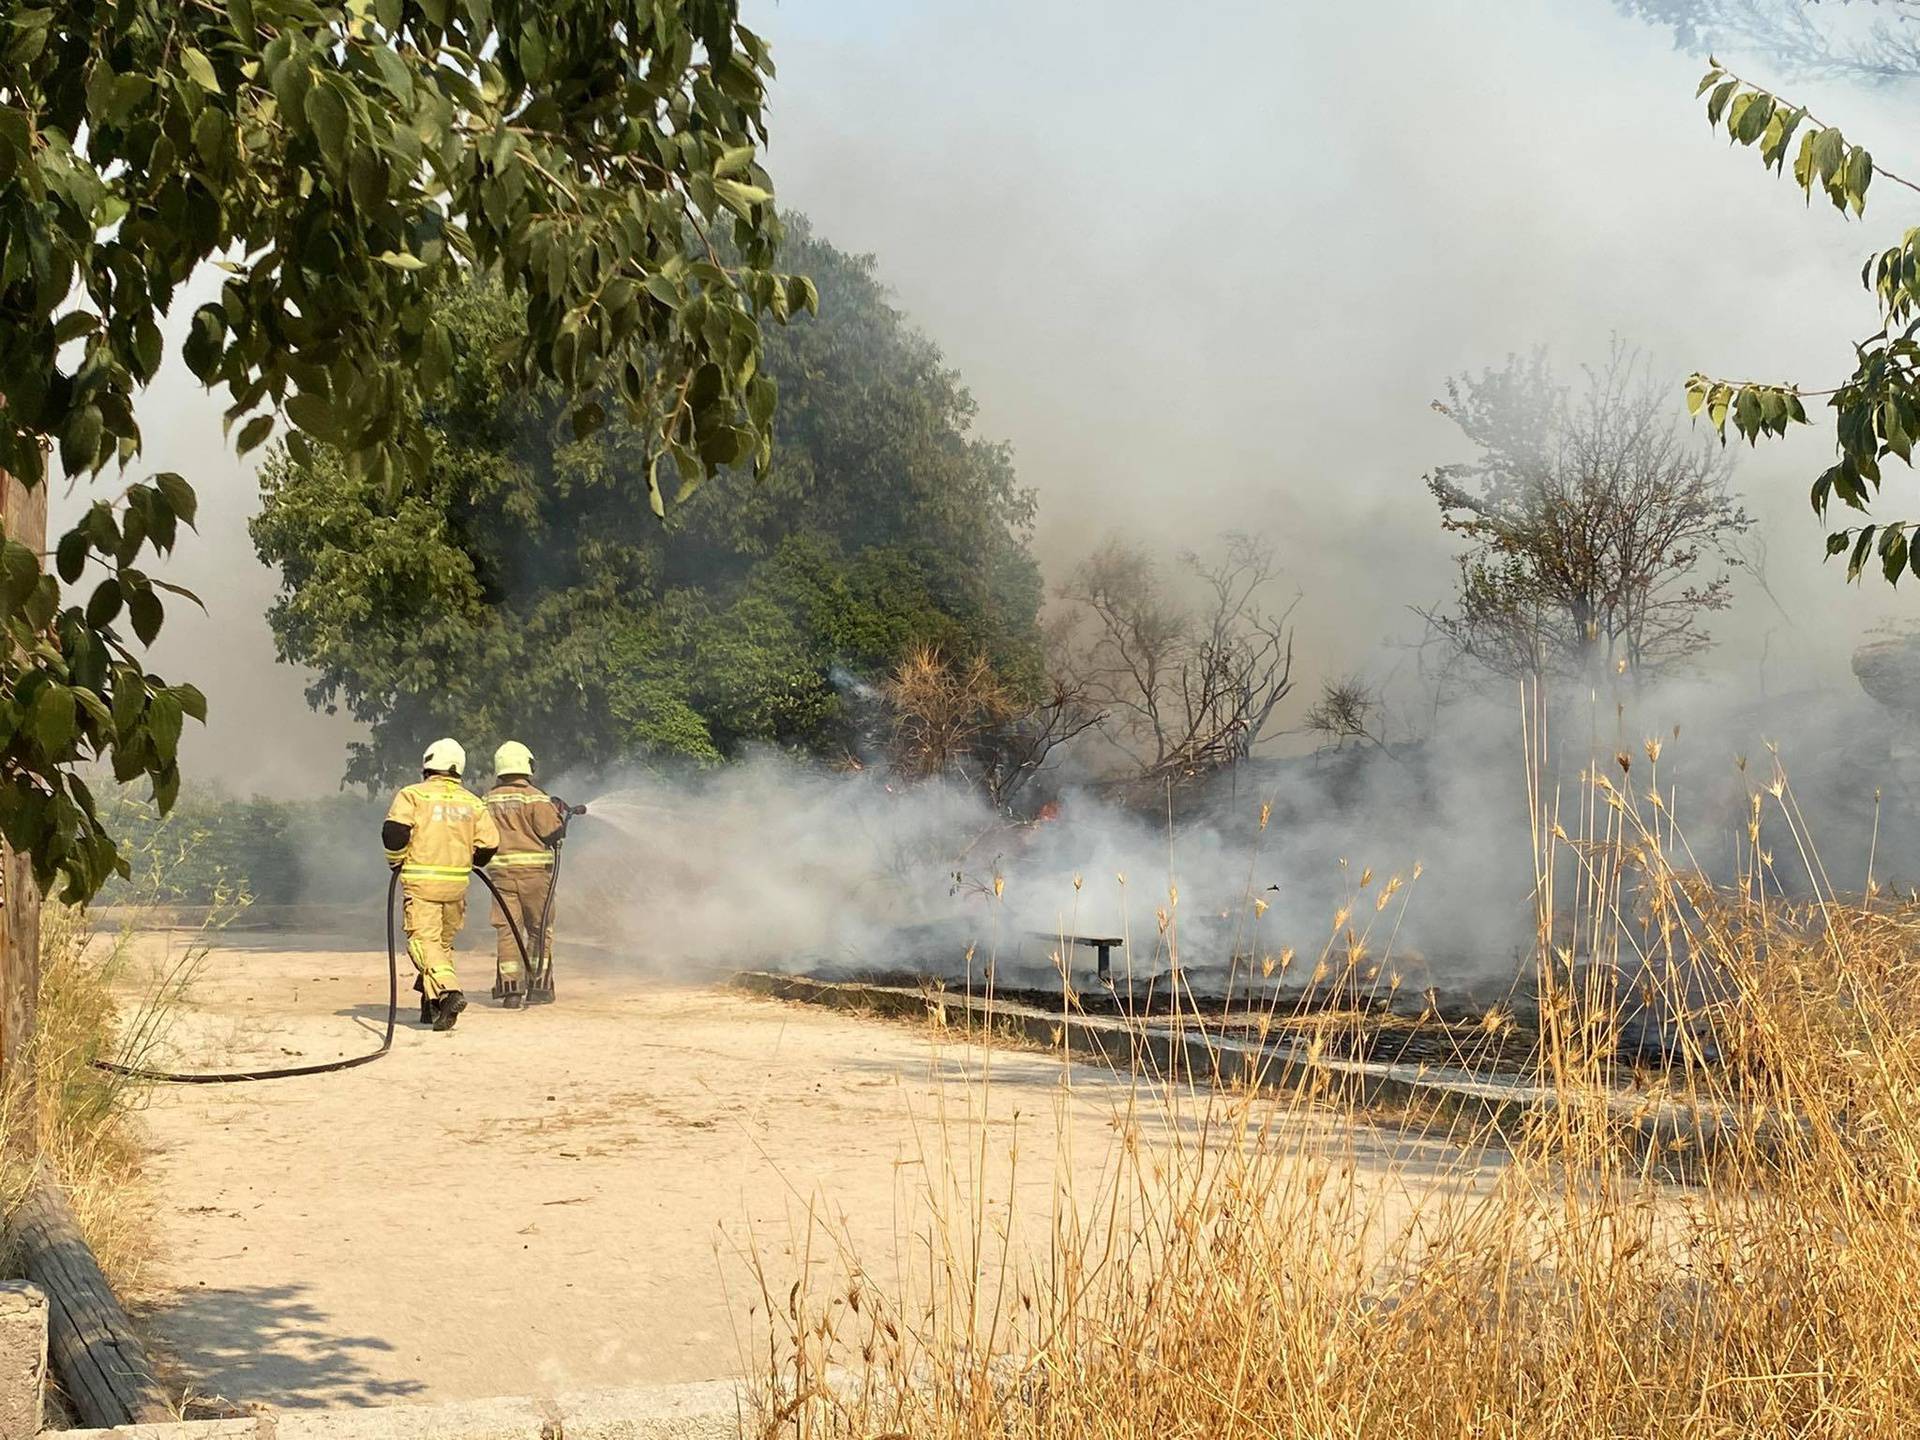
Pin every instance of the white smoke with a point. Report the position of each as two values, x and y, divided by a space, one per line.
775 863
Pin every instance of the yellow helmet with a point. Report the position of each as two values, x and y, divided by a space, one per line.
444 755
513 758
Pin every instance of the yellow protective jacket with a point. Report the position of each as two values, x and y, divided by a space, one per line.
449 823
527 818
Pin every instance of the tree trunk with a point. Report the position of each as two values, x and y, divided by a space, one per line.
24 515
102 1367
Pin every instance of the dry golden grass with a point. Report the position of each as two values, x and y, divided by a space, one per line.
942 707
1249 1272
85 1119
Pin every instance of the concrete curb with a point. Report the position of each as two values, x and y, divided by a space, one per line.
1677 1137
714 1410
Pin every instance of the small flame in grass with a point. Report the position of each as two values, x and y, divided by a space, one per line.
999 886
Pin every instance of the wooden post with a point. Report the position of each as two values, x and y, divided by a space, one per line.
23 513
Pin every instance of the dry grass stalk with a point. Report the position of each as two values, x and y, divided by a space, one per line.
85 1118
1248 1268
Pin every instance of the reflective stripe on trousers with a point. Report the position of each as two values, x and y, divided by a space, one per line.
432 928
524 888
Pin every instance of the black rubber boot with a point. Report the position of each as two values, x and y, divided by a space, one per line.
429 1011
448 1011
513 999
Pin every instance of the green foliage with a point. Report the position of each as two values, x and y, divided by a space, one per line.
1877 409
344 161
523 589
213 847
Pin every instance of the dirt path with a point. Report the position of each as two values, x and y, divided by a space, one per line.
554 1198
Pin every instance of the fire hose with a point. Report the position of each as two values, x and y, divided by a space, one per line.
288 1072
540 974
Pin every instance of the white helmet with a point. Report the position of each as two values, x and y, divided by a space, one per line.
513 758
444 755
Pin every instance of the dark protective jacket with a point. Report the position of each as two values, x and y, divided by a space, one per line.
529 822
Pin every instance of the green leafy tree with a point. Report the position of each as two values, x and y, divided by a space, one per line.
523 589
1877 409
341 161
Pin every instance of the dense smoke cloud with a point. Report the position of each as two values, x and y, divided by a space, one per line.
772 864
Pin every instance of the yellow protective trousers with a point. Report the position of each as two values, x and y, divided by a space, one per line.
525 889
432 928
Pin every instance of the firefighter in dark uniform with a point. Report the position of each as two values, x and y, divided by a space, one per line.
530 821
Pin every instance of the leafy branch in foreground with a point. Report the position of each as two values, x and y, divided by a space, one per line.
1877 410
343 162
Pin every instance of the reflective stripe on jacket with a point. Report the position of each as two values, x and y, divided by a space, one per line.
526 817
448 824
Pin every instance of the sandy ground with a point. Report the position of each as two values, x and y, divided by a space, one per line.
559 1197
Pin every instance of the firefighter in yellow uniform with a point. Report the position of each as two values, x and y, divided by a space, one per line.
436 833
529 821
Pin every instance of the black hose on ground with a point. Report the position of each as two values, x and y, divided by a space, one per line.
542 984
289 1072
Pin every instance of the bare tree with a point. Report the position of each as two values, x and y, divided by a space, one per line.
1344 713
1013 753
1601 530
1190 688
1876 42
